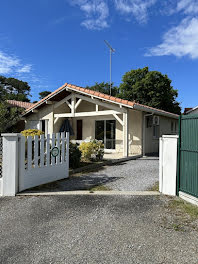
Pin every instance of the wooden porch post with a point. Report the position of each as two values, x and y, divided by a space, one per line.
125 135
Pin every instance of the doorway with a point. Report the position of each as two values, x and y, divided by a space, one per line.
105 131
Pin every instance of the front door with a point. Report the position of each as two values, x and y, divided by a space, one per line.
79 129
105 131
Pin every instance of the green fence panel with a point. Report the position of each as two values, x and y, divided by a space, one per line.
188 155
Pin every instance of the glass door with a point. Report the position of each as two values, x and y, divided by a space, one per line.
99 130
110 134
105 131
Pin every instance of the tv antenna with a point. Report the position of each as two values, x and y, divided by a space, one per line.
111 51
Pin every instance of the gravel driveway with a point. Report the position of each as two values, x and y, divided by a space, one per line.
133 175
94 229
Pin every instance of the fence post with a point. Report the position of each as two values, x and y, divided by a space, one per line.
178 157
160 164
10 164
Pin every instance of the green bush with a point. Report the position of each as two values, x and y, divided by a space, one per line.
92 150
74 156
32 132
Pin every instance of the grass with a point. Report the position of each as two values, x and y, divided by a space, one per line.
180 215
100 188
185 207
155 187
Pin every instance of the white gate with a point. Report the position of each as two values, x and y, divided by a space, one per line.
43 160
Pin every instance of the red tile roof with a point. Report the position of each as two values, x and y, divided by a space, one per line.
21 104
100 96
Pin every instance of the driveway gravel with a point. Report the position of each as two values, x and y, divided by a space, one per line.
133 175
93 229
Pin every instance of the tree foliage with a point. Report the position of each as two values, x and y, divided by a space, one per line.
14 89
104 88
44 94
9 116
151 88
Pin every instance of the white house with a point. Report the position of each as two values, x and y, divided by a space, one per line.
125 127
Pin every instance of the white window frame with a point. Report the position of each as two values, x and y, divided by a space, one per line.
156 127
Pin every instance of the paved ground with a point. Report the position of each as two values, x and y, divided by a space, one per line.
133 175
92 229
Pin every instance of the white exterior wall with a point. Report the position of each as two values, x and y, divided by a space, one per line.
46 113
151 143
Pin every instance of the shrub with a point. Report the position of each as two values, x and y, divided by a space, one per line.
32 132
92 150
74 156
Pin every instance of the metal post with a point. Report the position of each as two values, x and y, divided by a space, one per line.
178 156
110 69
111 50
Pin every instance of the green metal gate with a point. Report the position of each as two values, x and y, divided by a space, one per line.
187 177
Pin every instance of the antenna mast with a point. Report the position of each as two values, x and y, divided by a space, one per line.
111 51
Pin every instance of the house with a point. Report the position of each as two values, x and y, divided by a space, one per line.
19 125
126 128
188 111
19 104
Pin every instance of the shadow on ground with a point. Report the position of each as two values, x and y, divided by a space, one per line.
76 183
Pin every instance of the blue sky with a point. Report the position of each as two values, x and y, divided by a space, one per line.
48 42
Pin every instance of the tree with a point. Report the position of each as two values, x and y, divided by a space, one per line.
44 94
104 88
14 89
9 116
150 88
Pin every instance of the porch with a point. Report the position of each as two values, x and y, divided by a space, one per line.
92 118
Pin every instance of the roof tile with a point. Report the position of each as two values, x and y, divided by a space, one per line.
21 104
97 94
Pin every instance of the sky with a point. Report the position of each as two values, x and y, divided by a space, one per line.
48 43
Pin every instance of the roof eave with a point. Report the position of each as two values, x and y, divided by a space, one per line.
155 111
191 110
47 99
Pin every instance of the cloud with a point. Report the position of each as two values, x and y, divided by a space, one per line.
188 7
136 8
181 40
12 64
96 13
8 63
25 69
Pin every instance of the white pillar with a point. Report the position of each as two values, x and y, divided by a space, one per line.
125 135
73 102
10 164
168 164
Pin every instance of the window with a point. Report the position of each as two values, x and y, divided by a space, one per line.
105 131
173 126
149 121
155 131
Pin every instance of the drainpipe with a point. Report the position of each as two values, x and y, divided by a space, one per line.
144 133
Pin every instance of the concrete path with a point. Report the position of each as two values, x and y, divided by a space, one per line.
94 229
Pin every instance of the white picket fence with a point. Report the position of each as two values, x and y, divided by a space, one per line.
33 161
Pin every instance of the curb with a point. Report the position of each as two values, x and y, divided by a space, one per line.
99 193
